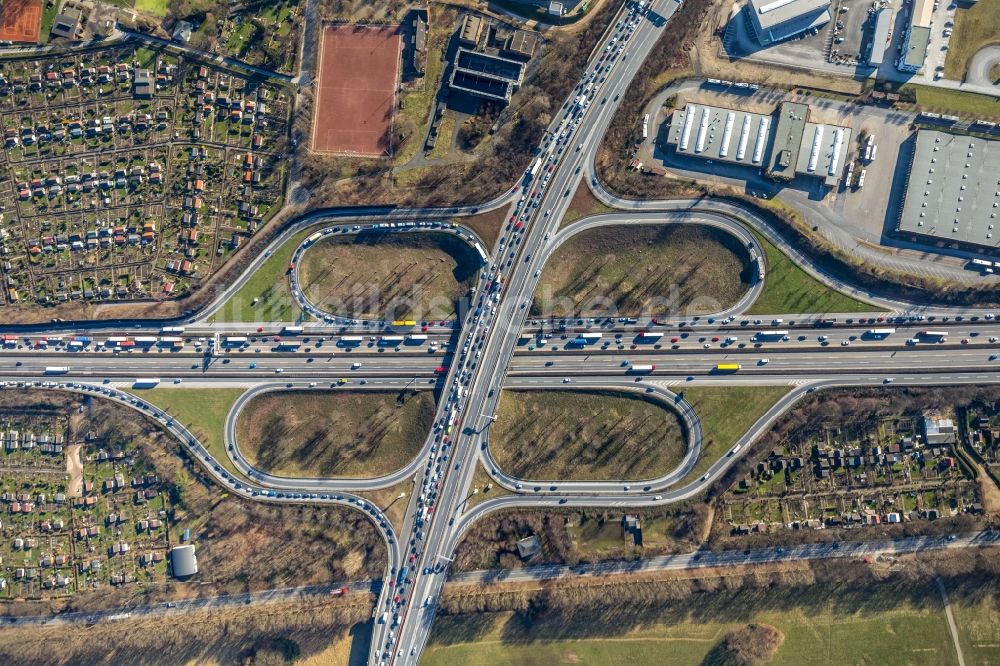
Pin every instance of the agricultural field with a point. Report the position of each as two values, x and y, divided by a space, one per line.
130 174
334 433
619 271
416 276
561 435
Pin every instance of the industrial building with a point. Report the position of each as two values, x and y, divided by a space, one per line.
183 562
880 37
913 52
472 28
523 44
720 134
953 192
776 20
784 144
485 75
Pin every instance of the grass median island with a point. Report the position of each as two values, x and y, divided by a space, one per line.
637 269
586 435
583 204
203 411
334 433
976 26
726 413
269 285
392 276
789 289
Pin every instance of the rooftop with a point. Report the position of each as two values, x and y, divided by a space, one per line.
823 151
787 140
880 39
701 130
917 46
183 561
772 13
953 189
523 43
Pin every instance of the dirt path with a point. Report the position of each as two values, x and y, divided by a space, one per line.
951 619
74 467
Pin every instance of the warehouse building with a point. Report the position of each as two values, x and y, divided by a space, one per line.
880 37
776 20
953 192
785 144
715 133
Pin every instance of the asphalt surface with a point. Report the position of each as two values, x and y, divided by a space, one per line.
981 64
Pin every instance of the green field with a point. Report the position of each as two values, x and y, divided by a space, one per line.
202 411
585 435
373 275
832 626
639 269
334 432
976 26
726 413
268 284
154 7
943 100
789 289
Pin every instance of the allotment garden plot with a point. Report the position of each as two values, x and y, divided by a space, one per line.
130 174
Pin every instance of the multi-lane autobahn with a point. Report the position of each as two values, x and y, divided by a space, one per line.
496 345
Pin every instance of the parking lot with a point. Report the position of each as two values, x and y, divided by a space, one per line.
843 45
849 34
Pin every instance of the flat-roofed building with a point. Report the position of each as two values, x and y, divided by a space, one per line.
823 152
953 192
785 144
913 52
523 44
880 37
472 28
787 140
776 20
715 133
485 75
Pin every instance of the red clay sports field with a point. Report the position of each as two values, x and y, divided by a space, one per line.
356 96
20 20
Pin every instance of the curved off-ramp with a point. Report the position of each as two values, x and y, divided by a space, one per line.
981 64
